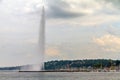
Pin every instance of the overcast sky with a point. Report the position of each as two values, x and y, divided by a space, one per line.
75 29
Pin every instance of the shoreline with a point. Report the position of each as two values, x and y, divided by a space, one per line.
54 71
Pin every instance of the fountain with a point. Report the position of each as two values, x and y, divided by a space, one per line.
41 46
42 37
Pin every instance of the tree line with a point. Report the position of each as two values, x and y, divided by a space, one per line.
70 64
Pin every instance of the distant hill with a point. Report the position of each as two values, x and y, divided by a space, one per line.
11 68
71 64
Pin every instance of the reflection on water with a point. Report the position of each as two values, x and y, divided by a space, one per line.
59 76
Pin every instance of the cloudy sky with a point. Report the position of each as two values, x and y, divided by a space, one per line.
75 29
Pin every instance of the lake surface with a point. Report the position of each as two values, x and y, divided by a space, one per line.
60 76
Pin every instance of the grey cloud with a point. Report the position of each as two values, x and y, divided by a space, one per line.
110 7
60 9
57 12
114 2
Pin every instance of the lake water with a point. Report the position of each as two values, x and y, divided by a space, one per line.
60 76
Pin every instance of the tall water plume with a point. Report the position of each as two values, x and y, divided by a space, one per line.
41 46
42 36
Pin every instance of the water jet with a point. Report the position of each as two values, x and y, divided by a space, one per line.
41 46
